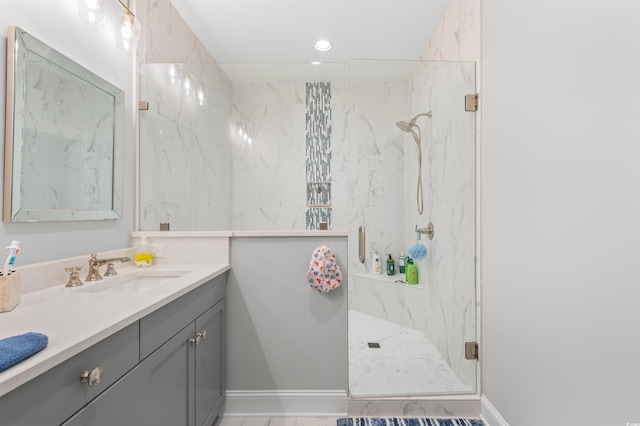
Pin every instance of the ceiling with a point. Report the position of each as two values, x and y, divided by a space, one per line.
284 31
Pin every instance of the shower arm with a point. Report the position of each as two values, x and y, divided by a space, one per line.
424 114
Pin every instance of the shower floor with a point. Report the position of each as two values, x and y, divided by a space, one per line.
406 364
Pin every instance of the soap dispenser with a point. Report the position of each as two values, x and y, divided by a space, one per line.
143 256
391 266
412 272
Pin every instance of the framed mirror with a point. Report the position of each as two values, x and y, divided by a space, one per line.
64 137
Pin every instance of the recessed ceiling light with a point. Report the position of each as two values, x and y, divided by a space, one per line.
316 63
323 45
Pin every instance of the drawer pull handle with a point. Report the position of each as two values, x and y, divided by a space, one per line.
92 377
200 337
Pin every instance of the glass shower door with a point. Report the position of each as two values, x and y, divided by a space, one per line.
409 340
185 148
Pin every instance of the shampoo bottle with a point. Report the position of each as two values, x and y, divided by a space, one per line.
391 266
376 263
412 272
143 256
401 265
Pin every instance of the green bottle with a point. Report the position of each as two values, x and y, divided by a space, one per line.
391 266
412 272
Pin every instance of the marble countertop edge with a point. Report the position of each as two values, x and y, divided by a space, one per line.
247 233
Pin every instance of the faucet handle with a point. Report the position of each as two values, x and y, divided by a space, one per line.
74 276
111 270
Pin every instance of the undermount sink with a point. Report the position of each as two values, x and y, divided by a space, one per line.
141 281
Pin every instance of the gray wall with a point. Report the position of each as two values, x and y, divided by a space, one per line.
560 211
281 333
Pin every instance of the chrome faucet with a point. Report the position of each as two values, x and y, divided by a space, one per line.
95 264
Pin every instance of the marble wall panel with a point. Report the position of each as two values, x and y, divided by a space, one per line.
185 167
269 188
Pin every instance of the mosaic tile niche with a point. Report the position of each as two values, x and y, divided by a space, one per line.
318 154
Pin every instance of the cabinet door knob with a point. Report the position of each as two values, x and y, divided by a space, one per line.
200 337
92 377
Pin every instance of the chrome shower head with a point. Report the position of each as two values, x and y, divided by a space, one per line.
407 126
404 126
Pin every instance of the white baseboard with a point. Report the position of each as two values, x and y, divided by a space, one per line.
489 414
294 403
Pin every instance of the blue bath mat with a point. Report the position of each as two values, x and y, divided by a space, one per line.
406 421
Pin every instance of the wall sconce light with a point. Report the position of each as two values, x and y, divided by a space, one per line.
129 30
92 12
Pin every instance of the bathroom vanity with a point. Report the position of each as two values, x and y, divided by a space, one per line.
139 349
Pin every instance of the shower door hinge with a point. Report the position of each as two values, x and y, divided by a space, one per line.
471 350
471 102
143 105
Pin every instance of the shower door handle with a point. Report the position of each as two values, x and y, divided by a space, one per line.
361 244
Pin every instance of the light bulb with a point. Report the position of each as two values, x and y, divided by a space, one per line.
129 32
126 31
92 11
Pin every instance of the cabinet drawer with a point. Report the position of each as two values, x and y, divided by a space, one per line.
54 396
161 325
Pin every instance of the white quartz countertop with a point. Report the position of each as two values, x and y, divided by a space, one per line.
76 318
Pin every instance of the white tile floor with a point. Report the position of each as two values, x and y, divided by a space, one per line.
278 421
406 364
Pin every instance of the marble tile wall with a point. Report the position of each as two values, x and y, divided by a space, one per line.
185 147
269 189
372 151
166 37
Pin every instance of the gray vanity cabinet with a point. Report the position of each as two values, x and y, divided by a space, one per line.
156 392
118 405
209 366
50 398
182 380
170 372
179 380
